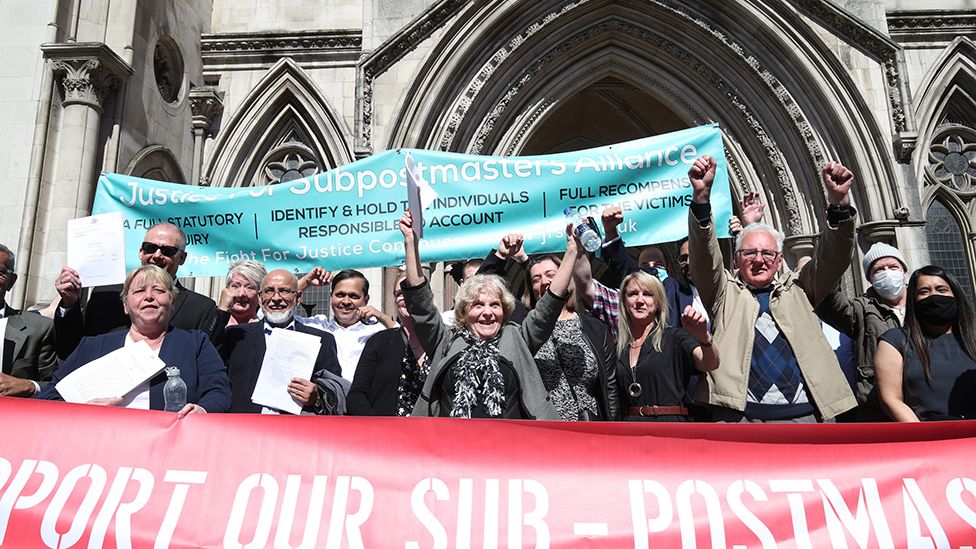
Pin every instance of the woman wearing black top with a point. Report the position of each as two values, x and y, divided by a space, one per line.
926 370
655 361
391 370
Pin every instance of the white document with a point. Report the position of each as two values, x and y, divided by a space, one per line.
96 249
290 354
419 195
113 375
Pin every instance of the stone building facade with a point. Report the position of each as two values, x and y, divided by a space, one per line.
251 92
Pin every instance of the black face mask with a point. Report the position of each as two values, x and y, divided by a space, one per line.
937 310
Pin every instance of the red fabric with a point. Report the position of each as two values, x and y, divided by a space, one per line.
386 482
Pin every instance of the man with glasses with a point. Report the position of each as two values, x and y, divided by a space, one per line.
27 347
244 345
163 246
776 363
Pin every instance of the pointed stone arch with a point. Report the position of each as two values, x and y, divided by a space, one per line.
156 162
284 127
947 94
502 66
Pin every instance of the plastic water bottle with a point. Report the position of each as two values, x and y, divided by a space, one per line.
174 392
581 228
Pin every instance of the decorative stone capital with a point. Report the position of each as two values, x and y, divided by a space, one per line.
801 245
879 231
206 105
88 71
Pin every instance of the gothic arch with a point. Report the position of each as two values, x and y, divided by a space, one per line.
947 94
284 121
156 162
496 69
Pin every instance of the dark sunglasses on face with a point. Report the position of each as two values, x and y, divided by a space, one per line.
149 248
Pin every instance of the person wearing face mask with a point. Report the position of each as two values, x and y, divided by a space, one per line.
866 317
926 371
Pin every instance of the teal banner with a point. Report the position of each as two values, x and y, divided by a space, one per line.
347 217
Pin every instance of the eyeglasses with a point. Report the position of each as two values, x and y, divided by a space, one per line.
4 273
283 292
768 256
149 248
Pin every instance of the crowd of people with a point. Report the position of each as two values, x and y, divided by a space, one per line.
544 337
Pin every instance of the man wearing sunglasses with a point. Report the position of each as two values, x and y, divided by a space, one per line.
776 363
164 246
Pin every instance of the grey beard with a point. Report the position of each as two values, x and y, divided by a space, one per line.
279 318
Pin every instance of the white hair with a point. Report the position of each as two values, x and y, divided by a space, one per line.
760 228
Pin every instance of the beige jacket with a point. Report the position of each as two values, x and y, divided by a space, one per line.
734 312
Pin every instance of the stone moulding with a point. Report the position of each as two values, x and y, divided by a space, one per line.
931 25
265 48
882 49
382 58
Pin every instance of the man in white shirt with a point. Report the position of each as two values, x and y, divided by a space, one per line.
353 319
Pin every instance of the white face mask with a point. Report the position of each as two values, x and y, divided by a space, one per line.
889 284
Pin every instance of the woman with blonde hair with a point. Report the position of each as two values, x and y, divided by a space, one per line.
655 361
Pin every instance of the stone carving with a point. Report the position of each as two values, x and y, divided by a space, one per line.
400 44
88 71
942 23
791 110
278 43
168 69
876 45
206 105
952 158
83 82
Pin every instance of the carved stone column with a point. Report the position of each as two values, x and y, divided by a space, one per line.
206 106
798 246
87 73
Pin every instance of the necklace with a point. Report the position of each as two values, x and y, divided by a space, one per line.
635 389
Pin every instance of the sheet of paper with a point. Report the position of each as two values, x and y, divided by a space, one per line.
96 249
419 195
289 354
113 375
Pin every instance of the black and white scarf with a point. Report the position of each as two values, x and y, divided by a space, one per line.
478 374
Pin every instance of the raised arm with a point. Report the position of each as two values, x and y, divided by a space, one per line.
418 296
707 269
833 255
538 325
411 247
619 263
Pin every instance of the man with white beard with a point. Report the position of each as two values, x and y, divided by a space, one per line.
244 346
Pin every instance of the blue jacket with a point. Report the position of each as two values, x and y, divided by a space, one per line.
200 367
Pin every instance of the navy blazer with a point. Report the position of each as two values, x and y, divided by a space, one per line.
199 363
104 313
242 349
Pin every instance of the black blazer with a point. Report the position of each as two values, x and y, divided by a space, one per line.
104 313
374 388
243 348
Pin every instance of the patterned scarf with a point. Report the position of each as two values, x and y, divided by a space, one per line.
477 373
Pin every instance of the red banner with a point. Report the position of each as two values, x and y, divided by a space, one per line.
88 476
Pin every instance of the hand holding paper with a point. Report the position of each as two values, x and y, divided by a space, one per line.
419 195
96 249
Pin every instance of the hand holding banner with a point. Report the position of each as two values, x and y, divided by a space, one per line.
347 217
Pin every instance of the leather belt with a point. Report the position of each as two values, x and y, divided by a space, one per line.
649 411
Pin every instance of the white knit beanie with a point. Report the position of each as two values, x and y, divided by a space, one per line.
879 250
